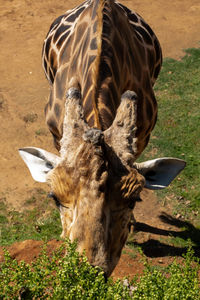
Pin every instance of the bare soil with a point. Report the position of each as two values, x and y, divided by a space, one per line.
24 92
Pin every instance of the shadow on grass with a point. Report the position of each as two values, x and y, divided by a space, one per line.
155 248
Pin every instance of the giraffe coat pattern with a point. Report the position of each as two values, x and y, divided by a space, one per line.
107 49
101 60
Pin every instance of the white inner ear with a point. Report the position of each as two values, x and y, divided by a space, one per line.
160 172
39 162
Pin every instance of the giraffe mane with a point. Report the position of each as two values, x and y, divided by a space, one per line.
96 65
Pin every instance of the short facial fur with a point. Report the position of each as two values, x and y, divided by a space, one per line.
96 203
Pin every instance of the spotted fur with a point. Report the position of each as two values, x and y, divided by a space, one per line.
116 52
92 56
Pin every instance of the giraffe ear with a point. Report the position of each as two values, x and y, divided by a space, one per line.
39 162
160 172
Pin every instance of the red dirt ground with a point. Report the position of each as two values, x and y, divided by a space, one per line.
24 91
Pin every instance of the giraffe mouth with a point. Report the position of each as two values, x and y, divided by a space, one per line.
104 274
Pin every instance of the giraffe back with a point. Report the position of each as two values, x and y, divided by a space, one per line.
105 49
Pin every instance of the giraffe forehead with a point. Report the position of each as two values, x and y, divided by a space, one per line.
86 176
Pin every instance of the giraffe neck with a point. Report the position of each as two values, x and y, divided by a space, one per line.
116 52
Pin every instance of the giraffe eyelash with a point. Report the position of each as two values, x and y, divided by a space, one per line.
54 197
57 202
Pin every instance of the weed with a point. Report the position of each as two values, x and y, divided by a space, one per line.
41 131
71 277
30 118
2 205
31 200
132 254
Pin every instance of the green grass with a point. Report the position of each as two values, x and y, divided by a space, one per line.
72 277
39 220
177 132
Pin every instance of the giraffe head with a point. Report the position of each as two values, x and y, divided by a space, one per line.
96 181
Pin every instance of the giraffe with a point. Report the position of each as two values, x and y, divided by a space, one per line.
101 60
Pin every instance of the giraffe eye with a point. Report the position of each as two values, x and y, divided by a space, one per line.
54 197
131 204
57 201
